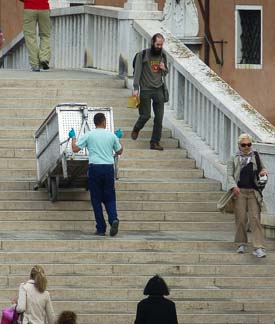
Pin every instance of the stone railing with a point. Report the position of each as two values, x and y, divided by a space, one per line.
204 112
207 115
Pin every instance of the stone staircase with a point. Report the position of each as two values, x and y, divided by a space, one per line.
169 223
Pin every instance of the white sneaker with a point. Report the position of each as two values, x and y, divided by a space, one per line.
259 253
242 248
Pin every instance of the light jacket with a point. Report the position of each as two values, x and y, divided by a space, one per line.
36 4
37 306
233 176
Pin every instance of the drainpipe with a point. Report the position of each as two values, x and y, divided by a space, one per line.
206 31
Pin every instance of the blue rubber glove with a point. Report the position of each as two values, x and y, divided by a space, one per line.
119 133
72 133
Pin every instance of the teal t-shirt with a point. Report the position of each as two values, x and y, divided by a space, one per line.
101 144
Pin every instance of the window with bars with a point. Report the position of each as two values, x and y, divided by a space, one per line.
248 36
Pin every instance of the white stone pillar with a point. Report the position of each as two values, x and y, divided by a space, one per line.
143 5
181 18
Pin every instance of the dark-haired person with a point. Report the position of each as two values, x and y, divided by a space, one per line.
67 317
101 144
248 201
37 16
150 67
156 309
34 300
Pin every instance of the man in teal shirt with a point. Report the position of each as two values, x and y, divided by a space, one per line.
101 144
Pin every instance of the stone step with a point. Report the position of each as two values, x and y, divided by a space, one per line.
19 142
191 317
120 195
35 122
99 294
157 173
88 307
127 226
139 281
146 269
52 102
80 84
184 164
28 132
59 92
124 215
175 154
121 205
42 113
142 257
124 174
194 185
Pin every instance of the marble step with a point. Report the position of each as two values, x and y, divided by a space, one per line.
121 205
121 294
52 102
139 281
139 215
19 142
175 154
59 92
80 84
75 195
151 257
211 306
126 226
147 269
133 163
172 185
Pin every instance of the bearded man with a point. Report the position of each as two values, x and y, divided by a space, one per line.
150 68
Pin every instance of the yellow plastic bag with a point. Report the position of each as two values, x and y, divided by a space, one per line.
133 102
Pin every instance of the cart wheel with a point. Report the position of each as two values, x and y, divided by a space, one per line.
52 189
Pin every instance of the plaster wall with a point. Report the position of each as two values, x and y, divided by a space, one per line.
255 85
11 17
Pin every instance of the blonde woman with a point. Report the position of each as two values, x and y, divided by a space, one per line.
34 300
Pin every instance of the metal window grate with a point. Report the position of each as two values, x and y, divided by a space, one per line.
250 21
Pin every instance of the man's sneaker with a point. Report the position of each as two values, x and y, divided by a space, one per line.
242 248
259 253
99 233
156 146
45 65
114 228
134 134
35 69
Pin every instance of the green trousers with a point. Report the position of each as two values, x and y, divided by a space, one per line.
38 50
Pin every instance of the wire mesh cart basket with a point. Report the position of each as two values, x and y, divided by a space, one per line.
57 165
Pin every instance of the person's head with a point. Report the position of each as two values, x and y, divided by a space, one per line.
39 277
67 317
156 286
100 120
245 143
156 44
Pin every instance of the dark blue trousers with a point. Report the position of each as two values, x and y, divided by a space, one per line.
102 190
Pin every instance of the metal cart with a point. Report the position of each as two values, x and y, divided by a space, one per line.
57 165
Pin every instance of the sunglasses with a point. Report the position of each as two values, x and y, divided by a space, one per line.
244 144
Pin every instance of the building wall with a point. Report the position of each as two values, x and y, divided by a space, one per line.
255 85
11 16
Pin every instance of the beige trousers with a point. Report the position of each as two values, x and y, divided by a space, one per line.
38 51
245 205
